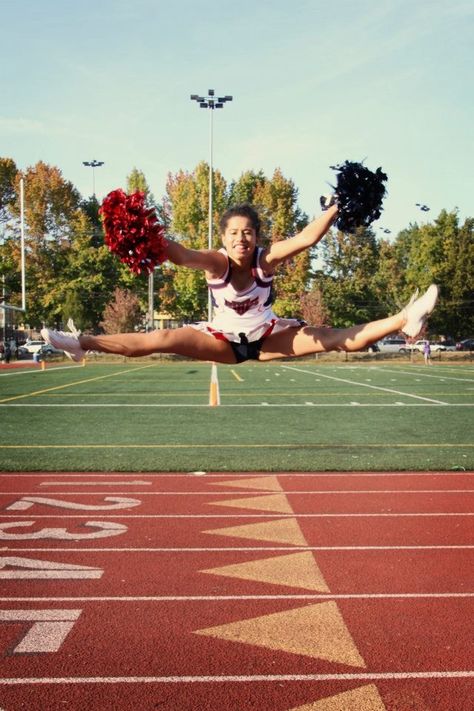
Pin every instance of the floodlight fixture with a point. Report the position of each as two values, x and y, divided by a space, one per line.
210 102
93 164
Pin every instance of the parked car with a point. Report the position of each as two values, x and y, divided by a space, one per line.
466 345
392 345
30 347
37 348
436 346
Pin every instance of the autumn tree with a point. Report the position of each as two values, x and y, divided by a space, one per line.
184 291
122 314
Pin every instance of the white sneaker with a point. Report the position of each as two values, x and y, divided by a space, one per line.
67 342
417 310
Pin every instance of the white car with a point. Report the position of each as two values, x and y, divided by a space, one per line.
419 346
32 347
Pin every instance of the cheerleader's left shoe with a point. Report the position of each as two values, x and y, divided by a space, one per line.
418 310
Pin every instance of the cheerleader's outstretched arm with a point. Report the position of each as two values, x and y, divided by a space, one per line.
308 237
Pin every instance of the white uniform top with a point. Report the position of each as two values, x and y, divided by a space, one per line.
242 311
247 313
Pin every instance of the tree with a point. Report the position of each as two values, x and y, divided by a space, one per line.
313 308
183 293
441 252
123 313
346 278
8 173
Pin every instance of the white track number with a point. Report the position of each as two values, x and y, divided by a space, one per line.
118 502
106 529
18 568
48 630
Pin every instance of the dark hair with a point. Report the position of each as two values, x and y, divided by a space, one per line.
244 210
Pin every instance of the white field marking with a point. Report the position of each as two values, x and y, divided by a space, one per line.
227 475
76 382
256 492
430 403
246 445
374 387
224 678
38 370
217 598
241 549
424 375
237 376
98 483
220 516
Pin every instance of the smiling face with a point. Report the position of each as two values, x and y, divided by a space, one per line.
239 238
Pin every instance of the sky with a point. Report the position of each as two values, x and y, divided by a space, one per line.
387 82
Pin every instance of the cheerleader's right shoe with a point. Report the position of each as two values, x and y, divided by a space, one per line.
417 311
64 341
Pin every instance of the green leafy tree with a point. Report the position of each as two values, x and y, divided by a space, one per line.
346 279
440 252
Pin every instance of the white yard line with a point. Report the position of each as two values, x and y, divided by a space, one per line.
365 385
437 376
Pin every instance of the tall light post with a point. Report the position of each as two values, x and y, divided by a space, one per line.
210 102
93 164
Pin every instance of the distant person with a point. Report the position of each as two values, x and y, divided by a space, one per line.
427 353
244 326
7 352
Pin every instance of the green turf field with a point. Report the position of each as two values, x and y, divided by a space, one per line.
292 415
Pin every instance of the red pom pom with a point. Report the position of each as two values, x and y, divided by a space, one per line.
132 231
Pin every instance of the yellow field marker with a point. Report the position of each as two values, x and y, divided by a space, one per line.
214 394
237 376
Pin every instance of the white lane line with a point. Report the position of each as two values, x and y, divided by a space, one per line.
226 516
97 483
235 475
254 492
360 676
224 598
365 385
232 549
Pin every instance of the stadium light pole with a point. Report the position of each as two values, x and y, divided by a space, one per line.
93 164
210 102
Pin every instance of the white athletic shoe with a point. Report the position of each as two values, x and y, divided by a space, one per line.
418 309
67 342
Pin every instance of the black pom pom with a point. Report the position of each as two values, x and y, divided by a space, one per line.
359 194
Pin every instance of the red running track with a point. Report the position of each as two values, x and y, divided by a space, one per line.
288 592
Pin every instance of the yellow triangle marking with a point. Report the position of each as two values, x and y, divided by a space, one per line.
270 502
296 570
284 530
266 483
365 698
314 630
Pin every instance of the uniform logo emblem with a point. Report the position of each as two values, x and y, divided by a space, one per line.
241 307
